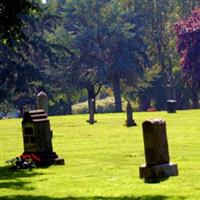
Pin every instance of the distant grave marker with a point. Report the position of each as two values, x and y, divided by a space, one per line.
129 111
171 106
42 101
157 165
91 112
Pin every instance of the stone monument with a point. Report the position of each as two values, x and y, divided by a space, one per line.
171 106
42 101
37 134
129 111
158 166
91 112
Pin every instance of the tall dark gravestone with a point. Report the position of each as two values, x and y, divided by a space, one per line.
37 137
158 166
129 113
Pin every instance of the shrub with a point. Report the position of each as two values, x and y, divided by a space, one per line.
106 105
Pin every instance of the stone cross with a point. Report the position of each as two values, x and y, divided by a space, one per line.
91 112
129 111
158 166
42 101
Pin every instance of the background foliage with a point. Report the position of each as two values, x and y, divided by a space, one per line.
79 50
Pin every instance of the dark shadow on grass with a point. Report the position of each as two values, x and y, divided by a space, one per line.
9 174
18 185
12 178
145 197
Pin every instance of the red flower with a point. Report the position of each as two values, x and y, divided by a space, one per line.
33 157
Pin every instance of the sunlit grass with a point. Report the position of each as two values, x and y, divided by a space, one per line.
102 160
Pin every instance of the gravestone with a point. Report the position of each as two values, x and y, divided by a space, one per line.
42 101
129 111
171 106
91 112
158 166
37 137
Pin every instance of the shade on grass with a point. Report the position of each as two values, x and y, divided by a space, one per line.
102 160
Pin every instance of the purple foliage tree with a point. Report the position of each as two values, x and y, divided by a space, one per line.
188 46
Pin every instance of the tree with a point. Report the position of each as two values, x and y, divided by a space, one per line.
12 18
106 38
159 16
83 67
185 7
23 64
188 40
123 46
57 51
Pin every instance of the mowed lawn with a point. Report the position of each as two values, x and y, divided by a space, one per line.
102 160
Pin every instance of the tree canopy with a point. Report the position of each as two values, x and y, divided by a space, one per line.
13 17
73 49
188 46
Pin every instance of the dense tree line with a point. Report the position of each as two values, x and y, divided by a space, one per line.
71 49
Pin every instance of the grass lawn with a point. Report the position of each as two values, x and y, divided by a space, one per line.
102 160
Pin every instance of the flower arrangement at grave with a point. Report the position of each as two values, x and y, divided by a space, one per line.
151 109
25 161
33 157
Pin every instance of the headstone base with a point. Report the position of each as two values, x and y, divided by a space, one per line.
157 173
130 123
91 122
46 159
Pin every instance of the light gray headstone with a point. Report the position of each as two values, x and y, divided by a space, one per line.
42 101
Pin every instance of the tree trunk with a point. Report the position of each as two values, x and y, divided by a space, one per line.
195 101
144 102
69 107
91 95
117 92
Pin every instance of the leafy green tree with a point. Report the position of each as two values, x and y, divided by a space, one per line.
12 18
123 45
159 17
83 68
14 66
23 65
106 40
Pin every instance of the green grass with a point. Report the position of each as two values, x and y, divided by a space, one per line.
102 160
